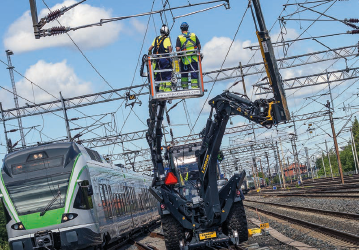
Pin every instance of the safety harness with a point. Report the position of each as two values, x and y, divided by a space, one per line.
159 47
188 39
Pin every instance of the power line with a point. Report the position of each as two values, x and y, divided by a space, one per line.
234 37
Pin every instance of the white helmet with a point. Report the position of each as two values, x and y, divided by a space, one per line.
164 30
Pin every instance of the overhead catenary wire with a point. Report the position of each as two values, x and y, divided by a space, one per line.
225 58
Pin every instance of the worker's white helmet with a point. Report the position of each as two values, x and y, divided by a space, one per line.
165 30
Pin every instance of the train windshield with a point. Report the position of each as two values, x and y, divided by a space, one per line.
33 196
34 177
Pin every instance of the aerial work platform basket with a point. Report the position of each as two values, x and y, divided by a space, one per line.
176 75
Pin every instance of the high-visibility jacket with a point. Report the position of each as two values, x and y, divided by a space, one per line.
188 42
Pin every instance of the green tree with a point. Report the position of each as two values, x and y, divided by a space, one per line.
355 129
3 233
346 156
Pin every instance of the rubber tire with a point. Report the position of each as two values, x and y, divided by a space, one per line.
173 232
237 220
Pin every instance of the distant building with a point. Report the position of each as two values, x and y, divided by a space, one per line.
291 169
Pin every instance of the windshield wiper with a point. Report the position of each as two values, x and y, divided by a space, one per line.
51 203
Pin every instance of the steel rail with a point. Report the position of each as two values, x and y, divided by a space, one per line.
352 238
314 210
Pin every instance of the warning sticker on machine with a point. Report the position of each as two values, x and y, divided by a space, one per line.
264 225
265 47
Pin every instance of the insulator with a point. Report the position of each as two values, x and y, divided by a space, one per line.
53 15
352 20
58 30
353 32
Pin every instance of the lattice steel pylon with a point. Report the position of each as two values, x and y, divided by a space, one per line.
11 71
283 63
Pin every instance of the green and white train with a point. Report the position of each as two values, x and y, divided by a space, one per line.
66 196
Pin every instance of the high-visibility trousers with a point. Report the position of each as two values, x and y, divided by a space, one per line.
193 66
164 63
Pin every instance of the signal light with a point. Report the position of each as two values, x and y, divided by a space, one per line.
163 207
171 179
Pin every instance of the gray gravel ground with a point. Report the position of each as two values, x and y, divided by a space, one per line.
296 234
332 204
263 241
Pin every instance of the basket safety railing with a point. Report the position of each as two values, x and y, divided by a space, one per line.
175 75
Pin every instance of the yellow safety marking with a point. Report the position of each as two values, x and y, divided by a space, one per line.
209 235
254 231
264 59
264 225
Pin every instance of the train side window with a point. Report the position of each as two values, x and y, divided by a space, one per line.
124 203
83 199
133 200
115 202
109 201
103 194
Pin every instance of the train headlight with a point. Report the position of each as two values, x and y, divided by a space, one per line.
67 217
18 226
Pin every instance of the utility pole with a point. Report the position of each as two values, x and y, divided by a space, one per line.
296 160
290 175
354 151
243 83
9 149
280 164
254 177
335 141
283 158
330 164
276 160
66 119
270 175
325 172
308 163
260 162
16 100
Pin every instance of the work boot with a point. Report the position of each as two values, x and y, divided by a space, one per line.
194 83
194 86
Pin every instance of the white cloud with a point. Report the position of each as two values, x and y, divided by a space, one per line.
216 49
139 27
53 77
20 35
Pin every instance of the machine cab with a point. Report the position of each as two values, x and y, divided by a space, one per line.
176 75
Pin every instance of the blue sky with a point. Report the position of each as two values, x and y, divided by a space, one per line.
56 65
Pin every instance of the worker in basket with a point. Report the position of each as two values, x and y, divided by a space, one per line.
188 41
162 45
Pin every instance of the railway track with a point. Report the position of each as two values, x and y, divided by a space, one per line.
348 237
313 210
312 195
